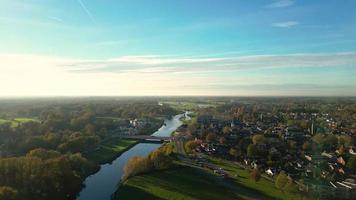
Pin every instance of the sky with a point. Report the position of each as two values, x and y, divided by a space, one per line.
177 47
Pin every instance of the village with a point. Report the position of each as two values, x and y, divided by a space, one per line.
314 150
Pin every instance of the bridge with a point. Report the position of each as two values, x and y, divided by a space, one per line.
149 138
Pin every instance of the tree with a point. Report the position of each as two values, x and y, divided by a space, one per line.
351 163
7 193
281 180
330 142
222 140
291 186
136 165
43 153
226 131
252 150
255 174
307 146
160 160
234 152
190 146
167 148
90 129
211 137
258 139
345 140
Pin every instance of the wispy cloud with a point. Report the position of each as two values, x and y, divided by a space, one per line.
281 4
86 10
287 24
57 19
108 43
164 64
158 75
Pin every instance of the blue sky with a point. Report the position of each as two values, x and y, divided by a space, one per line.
181 47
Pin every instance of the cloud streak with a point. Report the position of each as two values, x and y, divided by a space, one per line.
86 10
164 64
281 4
287 24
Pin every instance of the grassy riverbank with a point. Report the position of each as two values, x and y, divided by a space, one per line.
190 183
110 150
178 183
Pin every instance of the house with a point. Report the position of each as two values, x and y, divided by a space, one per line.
270 172
341 160
352 152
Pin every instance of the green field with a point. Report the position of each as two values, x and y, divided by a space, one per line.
110 150
243 179
188 183
16 121
179 183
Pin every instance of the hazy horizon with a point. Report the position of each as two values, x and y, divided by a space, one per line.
177 48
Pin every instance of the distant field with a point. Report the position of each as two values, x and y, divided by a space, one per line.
189 183
112 118
109 150
16 121
187 105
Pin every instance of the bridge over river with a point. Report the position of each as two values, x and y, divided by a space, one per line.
148 138
104 183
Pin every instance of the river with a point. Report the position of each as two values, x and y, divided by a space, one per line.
104 183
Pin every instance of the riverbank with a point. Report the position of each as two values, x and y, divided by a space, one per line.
103 184
184 182
110 150
187 181
180 182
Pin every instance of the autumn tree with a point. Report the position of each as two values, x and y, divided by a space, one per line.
8 193
281 180
222 140
258 139
234 152
136 165
351 163
160 160
255 175
190 146
211 137
226 131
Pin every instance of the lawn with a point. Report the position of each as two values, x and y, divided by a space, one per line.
187 183
110 150
243 179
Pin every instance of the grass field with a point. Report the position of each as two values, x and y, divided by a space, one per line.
188 183
243 179
179 183
16 121
110 150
